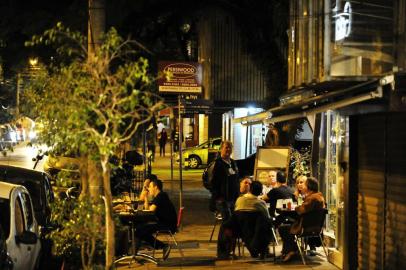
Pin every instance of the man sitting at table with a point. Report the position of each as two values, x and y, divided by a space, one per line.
254 229
165 212
250 202
281 191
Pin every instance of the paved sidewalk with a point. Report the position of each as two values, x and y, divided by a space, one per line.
199 253
198 222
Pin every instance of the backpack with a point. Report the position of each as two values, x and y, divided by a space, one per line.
207 176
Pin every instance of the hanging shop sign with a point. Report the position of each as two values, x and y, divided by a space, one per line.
180 77
343 22
196 106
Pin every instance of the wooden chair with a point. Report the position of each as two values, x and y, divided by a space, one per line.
312 224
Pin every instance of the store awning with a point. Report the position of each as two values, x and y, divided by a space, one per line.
325 96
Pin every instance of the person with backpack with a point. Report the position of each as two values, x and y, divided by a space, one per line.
224 193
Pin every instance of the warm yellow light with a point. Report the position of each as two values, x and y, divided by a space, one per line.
33 61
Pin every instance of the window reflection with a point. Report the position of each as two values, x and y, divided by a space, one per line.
361 37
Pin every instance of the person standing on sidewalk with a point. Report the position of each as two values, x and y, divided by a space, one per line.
151 141
175 139
163 138
224 193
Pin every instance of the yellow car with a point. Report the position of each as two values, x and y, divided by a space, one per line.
201 154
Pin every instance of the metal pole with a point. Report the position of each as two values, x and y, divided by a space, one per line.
180 154
18 95
171 144
144 149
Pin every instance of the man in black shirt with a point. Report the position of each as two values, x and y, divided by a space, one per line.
166 216
224 193
281 191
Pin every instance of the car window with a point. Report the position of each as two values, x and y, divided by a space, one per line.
216 143
28 209
204 145
36 194
48 190
19 217
5 216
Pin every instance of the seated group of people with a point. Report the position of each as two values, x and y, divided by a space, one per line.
255 230
157 201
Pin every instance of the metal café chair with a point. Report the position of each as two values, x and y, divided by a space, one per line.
171 234
312 224
217 220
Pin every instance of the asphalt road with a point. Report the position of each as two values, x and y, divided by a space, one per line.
194 196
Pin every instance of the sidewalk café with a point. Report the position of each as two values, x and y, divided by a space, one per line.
347 119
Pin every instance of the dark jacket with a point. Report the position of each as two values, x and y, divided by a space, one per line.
254 229
225 184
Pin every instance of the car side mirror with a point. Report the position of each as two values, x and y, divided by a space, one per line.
27 237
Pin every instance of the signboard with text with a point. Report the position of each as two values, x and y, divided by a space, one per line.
185 77
196 106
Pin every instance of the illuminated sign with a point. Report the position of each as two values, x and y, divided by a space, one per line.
343 22
185 77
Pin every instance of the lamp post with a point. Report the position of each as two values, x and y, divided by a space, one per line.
32 67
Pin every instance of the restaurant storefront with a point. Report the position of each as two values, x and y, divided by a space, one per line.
346 76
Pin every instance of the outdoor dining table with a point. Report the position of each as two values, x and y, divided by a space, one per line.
133 217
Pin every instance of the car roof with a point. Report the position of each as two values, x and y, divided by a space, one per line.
5 189
7 171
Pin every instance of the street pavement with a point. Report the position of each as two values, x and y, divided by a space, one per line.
197 223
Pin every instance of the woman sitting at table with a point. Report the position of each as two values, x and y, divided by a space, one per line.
299 195
313 201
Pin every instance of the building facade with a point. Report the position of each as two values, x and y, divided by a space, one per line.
347 77
352 56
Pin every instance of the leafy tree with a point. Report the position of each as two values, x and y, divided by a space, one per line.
7 101
90 106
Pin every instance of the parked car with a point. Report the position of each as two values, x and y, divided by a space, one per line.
201 154
38 185
5 261
21 229
8 137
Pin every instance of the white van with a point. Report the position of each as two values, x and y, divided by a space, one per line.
20 226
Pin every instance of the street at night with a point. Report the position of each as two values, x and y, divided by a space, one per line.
214 134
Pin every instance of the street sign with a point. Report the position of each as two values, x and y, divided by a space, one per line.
186 77
196 106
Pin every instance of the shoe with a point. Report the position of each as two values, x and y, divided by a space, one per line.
166 251
224 257
289 256
263 256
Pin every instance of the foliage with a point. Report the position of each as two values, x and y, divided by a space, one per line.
89 105
7 101
300 161
76 229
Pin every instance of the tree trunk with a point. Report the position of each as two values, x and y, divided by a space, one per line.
96 25
110 226
84 179
95 179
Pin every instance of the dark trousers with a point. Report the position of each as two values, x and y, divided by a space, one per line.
288 239
162 149
144 232
175 146
151 148
225 239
